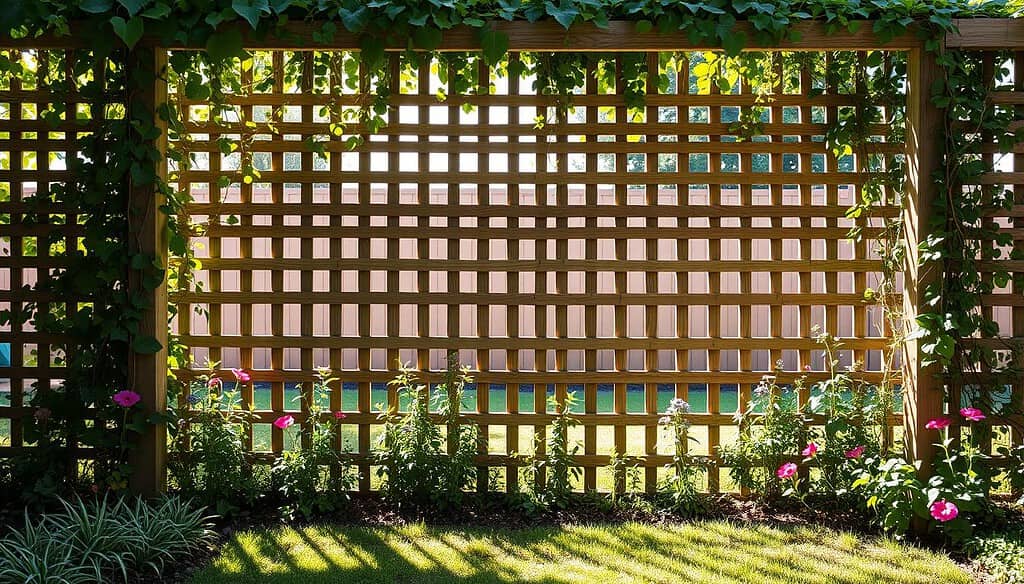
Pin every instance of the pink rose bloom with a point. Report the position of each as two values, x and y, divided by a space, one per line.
855 452
214 382
126 398
786 471
972 414
242 375
937 424
943 511
339 416
807 367
284 422
811 449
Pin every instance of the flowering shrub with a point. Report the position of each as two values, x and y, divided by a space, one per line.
854 413
416 466
771 433
208 448
954 499
680 488
314 478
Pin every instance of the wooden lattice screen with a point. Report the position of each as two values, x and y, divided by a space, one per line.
999 393
628 256
43 118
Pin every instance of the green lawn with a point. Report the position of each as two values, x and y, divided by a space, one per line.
717 552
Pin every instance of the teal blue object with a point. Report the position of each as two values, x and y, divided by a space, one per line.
5 354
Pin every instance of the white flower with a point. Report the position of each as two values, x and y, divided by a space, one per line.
665 420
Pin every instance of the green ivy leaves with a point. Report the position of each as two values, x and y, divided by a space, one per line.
129 31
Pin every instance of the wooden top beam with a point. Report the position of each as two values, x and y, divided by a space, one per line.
533 36
988 34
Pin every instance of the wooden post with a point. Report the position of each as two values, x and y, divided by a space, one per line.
923 395
147 86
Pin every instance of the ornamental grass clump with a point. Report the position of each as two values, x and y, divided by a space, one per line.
108 540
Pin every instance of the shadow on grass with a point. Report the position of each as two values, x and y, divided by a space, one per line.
716 552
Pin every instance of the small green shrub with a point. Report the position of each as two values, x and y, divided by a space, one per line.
771 433
102 541
208 459
417 466
1014 470
680 490
854 412
551 476
1000 554
314 479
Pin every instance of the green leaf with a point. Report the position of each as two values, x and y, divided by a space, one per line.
494 45
225 44
643 26
146 345
157 11
129 31
96 6
565 13
354 20
133 6
733 43
427 37
251 10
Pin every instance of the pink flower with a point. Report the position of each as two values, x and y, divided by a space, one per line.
126 398
786 471
42 414
972 414
943 511
284 422
811 449
339 416
855 452
937 424
807 367
242 375
214 382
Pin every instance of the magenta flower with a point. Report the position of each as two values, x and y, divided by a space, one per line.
126 398
242 375
943 511
284 422
214 382
937 424
807 367
855 452
786 471
810 450
339 416
972 414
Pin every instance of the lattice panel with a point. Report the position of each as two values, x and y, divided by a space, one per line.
629 256
1001 395
42 117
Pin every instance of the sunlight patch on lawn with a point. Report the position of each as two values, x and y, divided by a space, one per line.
712 552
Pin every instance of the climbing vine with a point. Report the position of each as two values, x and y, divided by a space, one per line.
111 276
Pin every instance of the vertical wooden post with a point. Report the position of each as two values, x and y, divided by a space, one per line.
147 86
923 395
